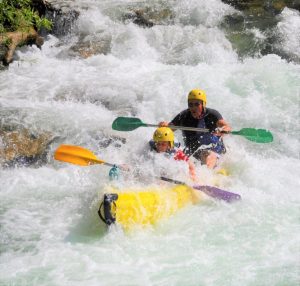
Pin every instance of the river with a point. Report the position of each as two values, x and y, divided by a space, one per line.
50 230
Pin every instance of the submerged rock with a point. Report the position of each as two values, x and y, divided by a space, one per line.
116 141
92 45
138 18
147 17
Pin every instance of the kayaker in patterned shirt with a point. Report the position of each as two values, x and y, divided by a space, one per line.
206 147
163 142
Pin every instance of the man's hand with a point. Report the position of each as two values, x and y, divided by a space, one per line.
163 124
223 128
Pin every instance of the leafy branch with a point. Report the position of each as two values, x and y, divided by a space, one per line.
19 15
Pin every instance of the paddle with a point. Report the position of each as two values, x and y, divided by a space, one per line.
252 134
80 156
255 135
210 191
77 155
132 123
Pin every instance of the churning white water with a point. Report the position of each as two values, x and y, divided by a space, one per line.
50 230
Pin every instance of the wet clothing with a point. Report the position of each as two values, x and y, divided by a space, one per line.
199 144
177 154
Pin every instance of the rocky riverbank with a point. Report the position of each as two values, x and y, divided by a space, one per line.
254 14
62 14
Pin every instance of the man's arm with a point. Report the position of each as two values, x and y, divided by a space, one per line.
175 121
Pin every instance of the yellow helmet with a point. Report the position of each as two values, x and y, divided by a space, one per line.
198 94
164 134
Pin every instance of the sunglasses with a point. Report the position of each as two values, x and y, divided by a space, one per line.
196 104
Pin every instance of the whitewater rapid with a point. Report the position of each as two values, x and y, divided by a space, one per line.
50 230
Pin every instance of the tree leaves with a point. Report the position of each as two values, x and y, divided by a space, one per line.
18 14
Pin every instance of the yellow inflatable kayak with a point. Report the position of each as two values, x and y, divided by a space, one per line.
129 207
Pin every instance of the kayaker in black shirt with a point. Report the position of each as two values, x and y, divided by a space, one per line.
204 146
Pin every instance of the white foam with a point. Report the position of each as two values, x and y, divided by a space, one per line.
50 231
289 30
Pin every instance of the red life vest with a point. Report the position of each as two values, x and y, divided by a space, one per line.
180 156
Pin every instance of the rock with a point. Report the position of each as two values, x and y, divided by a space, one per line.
40 6
252 32
63 14
14 39
257 6
63 20
23 148
3 52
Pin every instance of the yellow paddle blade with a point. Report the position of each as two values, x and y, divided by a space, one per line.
76 155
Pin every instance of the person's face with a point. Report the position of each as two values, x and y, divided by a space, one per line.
162 146
196 107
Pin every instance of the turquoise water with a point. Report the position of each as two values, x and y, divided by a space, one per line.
50 231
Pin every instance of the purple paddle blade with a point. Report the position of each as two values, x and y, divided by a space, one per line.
218 193
210 191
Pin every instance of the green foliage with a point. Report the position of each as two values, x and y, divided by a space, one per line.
6 41
19 15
